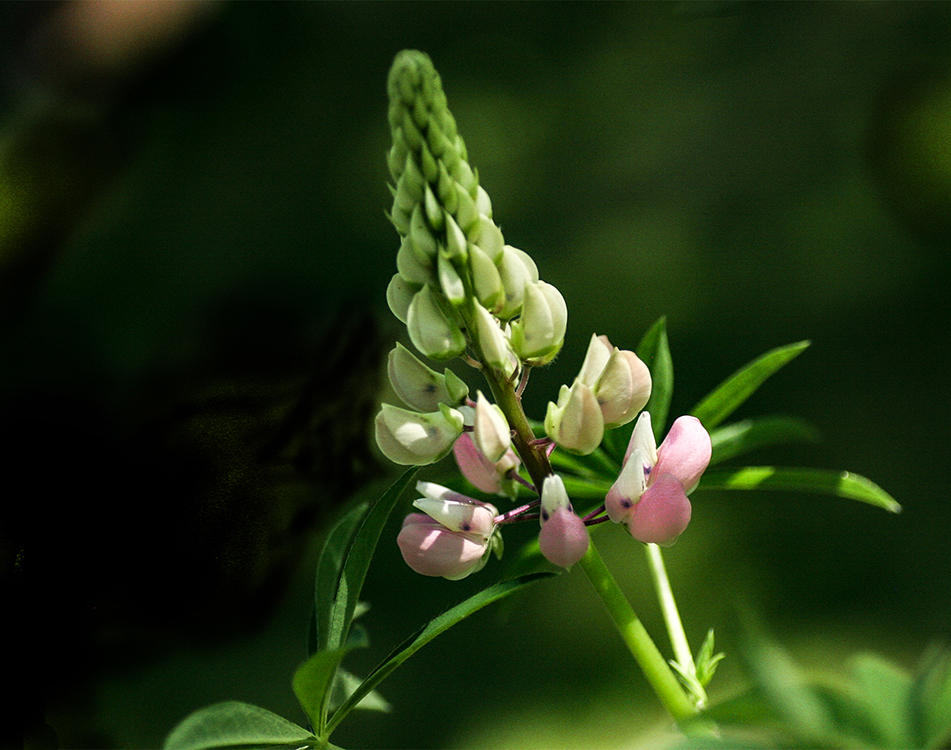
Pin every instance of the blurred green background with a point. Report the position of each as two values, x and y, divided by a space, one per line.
759 173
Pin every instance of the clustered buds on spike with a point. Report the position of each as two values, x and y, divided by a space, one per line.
463 292
458 286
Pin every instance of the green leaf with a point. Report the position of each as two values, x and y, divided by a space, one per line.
312 685
655 352
329 565
235 724
345 683
435 627
737 438
357 561
825 481
707 660
726 397
884 691
932 699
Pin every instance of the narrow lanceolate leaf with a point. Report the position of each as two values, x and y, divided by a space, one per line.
726 397
655 352
825 481
738 438
435 627
235 724
329 565
357 561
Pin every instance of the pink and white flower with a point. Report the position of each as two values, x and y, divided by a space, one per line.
650 495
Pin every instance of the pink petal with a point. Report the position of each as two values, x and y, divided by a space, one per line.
433 550
475 467
685 452
662 513
563 539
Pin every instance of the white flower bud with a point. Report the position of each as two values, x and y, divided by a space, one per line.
575 422
491 433
486 282
412 439
430 330
399 295
493 344
537 336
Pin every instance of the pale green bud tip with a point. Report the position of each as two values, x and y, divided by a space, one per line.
412 439
537 336
430 328
575 422
491 432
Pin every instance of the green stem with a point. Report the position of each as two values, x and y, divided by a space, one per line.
637 640
668 605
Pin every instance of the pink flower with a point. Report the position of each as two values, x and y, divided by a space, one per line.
563 539
452 539
650 495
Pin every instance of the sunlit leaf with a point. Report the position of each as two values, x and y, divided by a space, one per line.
235 724
732 392
825 481
738 438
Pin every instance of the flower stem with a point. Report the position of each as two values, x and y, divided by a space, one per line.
637 640
668 605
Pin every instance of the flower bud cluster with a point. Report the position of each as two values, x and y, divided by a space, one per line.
458 285
463 292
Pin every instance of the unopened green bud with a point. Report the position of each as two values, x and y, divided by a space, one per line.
575 422
486 281
412 439
493 343
424 244
491 433
430 329
399 295
537 336
449 280
421 387
488 237
466 212
456 244
516 269
483 202
409 265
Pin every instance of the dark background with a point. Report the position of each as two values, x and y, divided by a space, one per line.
210 222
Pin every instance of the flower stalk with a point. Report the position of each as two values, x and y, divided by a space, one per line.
638 641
